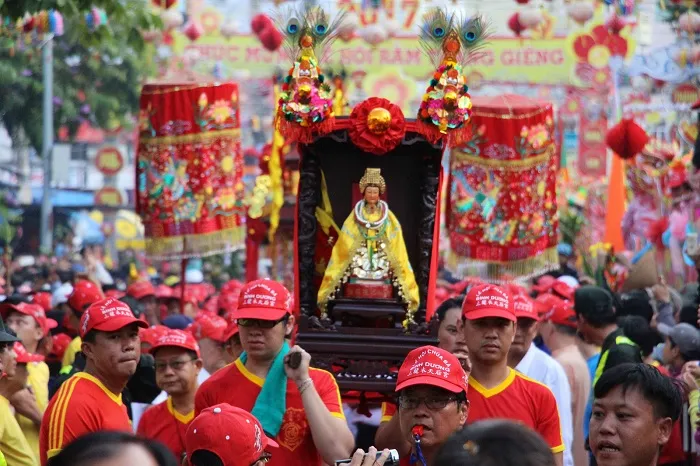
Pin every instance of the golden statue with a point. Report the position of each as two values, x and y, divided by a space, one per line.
369 259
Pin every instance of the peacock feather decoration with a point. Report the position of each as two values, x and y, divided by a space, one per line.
306 100
451 43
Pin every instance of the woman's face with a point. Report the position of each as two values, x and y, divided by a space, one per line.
371 195
129 456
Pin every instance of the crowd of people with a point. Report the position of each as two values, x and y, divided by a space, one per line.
545 373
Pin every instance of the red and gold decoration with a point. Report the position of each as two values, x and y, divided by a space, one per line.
626 138
189 170
450 44
377 126
502 211
109 160
306 101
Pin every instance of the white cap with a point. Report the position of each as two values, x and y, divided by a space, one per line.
60 296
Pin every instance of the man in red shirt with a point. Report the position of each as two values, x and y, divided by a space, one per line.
432 388
91 400
177 365
299 407
496 390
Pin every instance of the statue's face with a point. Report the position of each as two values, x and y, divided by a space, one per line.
372 195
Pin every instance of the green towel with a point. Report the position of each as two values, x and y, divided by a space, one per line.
272 401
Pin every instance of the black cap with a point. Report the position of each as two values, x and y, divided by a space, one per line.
5 335
595 304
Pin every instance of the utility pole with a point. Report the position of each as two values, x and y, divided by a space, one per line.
47 146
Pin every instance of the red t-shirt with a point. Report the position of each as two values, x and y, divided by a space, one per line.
388 411
163 423
520 399
82 405
237 386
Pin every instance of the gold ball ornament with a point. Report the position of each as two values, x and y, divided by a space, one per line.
378 120
450 99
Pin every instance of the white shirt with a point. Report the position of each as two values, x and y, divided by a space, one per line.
539 366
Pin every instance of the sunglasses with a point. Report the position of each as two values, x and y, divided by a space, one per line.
434 403
266 324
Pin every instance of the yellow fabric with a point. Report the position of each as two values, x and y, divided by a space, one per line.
3 461
38 379
351 239
324 212
693 408
275 167
73 348
13 444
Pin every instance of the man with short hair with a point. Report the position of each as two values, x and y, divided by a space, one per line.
525 357
558 331
450 338
433 404
299 406
224 435
145 293
633 414
177 364
496 390
85 292
91 400
32 326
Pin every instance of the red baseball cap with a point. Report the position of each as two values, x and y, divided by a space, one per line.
524 307
178 339
60 344
164 291
151 334
24 356
430 365
230 331
231 286
544 284
141 289
84 294
231 433
488 301
34 310
229 302
42 299
562 314
547 301
116 294
563 290
264 300
212 305
210 326
108 315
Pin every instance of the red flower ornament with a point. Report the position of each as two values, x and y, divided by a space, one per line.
377 126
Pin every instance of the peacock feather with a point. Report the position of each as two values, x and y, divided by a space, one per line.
473 34
308 32
447 38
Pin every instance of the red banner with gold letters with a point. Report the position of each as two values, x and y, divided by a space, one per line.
189 170
502 205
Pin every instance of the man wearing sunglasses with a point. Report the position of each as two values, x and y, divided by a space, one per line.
224 435
177 363
432 389
298 406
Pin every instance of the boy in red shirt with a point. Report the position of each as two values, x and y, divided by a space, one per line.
90 401
496 390
177 365
299 407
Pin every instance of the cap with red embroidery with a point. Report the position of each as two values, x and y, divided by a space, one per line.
24 356
84 294
562 314
488 301
208 326
524 307
141 289
150 335
42 299
178 339
264 300
429 365
108 315
231 433
60 344
230 331
33 310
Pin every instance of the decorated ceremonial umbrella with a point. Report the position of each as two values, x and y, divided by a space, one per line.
189 170
502 210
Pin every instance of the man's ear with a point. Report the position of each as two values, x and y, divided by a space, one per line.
289 328
463 412
86 348
665 426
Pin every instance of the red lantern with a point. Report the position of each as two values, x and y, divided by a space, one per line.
523 2
270 38
193 30
626 138
165 4
515 25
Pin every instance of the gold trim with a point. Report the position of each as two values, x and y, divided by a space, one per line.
511 116
196 245
179 87
461 157
188 138
495 271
